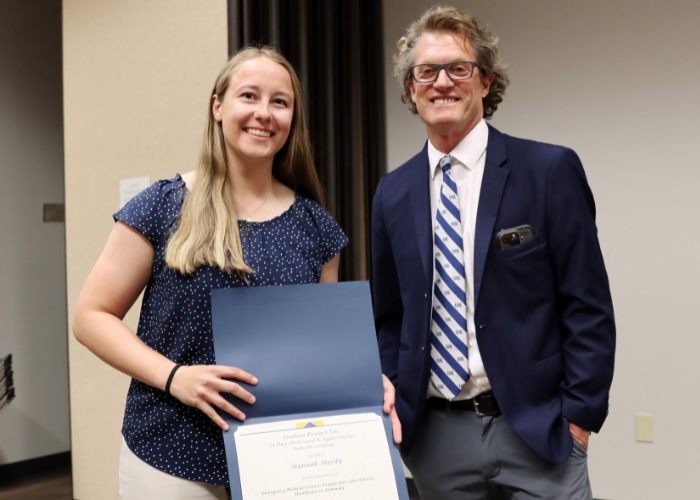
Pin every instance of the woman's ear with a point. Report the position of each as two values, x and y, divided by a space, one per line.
216 108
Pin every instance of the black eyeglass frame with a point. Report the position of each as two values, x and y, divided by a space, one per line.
440 67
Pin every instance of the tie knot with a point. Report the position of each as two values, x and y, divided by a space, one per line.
445 164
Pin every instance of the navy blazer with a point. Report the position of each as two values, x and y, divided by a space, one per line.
543 311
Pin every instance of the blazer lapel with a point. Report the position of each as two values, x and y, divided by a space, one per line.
419 190
492 184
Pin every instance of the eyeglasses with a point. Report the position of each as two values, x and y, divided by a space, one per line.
457 70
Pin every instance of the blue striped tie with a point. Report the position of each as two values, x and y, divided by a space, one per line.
449 318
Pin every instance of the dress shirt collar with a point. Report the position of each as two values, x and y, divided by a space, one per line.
467 152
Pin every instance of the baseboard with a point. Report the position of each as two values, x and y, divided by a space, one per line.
18 472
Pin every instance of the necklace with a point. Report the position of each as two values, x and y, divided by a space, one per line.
249 215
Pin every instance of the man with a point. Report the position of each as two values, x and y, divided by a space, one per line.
492 304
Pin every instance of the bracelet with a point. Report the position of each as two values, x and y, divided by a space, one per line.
170 379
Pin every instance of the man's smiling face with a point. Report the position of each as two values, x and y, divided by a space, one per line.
449 109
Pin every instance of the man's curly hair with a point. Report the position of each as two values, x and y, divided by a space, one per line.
445 19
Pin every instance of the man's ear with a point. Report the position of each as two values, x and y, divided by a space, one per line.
486 85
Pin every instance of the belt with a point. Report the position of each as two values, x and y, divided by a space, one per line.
484 405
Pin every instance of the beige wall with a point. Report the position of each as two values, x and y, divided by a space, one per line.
618 82
136 82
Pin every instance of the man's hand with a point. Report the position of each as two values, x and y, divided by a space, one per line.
580 434
389 409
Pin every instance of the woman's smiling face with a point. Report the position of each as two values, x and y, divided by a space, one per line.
256 111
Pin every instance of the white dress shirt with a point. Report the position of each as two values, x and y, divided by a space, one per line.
468 159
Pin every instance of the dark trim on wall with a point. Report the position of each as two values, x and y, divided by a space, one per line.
18 472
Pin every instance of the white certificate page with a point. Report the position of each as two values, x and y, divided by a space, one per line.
338 457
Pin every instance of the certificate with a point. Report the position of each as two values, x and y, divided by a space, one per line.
314 351
340 457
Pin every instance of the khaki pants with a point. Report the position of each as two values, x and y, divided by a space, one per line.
140 481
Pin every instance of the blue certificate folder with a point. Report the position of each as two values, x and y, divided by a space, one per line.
314 350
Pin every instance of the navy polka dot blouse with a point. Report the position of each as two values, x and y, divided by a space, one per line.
176 318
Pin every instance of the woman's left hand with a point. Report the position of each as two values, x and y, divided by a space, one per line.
389 409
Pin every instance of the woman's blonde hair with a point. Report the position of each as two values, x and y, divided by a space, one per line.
207 230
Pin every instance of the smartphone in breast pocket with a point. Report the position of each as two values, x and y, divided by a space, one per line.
514 236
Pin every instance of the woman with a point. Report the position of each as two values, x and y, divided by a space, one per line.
248 215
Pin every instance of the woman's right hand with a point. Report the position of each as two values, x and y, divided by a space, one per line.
201 386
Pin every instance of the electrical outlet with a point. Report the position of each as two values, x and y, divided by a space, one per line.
644 424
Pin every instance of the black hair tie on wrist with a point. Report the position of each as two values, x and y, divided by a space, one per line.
170 379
